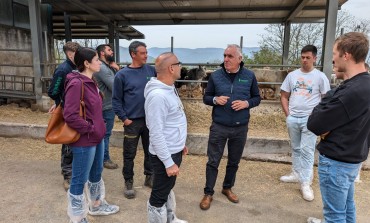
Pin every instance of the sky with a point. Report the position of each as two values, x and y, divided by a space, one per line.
204 36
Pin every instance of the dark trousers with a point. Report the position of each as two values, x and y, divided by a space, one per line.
66 161
132 134
218 136
162 184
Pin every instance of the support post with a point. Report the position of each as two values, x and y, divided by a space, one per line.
111 34
116 50
286 42
329 36
241 43
171 44
67 27
36 39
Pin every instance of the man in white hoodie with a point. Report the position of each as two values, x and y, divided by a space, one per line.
166 121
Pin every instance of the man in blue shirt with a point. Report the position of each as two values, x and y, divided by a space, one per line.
128 105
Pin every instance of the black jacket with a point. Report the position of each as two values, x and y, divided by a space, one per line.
56 88
347 119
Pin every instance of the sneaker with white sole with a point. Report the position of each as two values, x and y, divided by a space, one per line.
290 178
313 220
104 209
307 192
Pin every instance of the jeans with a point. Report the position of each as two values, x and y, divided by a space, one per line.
162 184
132 134
236 138
337 190
108 116
66 161
303 143
87 165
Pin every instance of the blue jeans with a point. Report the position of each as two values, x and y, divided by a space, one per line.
303 143
337 190
108 116
87 164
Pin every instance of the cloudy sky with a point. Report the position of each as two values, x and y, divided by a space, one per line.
216 36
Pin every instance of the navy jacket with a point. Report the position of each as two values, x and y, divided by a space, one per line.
244 87
128 91
56 88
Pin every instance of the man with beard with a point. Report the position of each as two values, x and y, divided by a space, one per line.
105 79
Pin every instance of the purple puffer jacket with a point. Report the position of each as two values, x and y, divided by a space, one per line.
92 129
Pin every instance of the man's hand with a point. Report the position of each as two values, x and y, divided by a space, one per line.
323 136
127 122
114 65
172 170
221 100
52 108
185 151
239 105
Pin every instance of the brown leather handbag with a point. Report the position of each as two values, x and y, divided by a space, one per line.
58 132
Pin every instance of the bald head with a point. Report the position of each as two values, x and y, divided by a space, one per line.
168 68
163 61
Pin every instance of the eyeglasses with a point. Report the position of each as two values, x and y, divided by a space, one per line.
178 63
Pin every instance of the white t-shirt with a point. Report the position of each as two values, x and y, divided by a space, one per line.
305 90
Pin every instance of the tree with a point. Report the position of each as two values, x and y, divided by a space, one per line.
309 33
264 56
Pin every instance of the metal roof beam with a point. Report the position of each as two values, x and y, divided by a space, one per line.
215 21
297 9
89 10
198 10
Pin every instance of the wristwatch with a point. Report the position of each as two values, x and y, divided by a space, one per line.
214 101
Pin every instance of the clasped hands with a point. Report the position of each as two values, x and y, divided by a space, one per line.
236 105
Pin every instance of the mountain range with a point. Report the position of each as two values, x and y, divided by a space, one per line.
187 55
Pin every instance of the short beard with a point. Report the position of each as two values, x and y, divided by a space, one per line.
109 58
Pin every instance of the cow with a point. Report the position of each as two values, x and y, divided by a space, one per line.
183 74
194 74
205 78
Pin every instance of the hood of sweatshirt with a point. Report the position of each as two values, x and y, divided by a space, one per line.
155 84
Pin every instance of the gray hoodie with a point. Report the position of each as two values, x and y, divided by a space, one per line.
165 119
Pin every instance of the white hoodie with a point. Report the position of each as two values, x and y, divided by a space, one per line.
165 119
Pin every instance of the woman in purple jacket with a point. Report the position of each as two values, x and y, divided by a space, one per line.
88 151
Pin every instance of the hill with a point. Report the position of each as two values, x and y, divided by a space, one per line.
186 55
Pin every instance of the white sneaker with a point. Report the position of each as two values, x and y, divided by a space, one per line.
307 192
290 178
313 220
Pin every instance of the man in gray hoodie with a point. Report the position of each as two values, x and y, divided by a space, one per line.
105 79
166 121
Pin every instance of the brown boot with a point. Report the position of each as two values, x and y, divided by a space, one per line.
230 195
110 165
205 203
